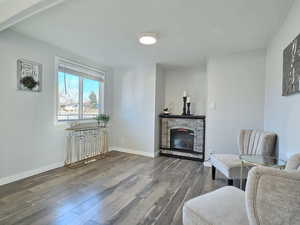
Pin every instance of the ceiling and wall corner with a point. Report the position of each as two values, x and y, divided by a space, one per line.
14 11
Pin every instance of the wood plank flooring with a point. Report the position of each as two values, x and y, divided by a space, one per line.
122 189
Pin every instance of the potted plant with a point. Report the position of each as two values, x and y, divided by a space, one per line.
102 120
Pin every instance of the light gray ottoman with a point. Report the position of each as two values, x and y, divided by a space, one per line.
225 206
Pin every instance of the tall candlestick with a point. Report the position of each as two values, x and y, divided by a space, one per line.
184 106
184 94
188 108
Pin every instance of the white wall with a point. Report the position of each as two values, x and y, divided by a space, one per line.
282 114
193 81
159 103
30 141
236 86
134 109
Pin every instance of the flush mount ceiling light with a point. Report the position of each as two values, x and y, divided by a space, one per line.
148 38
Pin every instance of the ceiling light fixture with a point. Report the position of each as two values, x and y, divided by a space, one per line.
148 38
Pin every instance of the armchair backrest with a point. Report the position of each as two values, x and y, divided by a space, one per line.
273 195
256 142
294 163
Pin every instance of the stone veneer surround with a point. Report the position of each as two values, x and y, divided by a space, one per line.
194 123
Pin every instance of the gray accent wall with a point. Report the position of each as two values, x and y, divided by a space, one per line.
236 85
159 103
133 118
282 113
192 80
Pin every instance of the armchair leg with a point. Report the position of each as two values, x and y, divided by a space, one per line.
230 182
213 172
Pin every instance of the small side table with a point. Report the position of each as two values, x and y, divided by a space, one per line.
259 160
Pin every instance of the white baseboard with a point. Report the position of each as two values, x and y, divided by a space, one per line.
156 153
131 151
20 176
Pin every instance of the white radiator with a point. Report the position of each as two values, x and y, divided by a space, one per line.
84 145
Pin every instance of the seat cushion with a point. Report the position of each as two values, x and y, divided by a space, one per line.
229 165
225 206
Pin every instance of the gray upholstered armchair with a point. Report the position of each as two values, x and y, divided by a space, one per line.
272 197
249 142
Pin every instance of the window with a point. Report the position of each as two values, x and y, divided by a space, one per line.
80 91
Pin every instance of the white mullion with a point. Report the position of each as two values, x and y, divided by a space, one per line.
80 98
100 98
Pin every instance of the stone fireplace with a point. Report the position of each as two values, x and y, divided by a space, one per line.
182 136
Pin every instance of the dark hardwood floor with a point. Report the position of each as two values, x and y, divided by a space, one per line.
121 189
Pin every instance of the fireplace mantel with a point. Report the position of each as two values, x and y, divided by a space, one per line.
182 116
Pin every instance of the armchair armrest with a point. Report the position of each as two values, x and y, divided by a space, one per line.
273 197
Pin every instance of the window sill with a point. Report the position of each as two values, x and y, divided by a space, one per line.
69 123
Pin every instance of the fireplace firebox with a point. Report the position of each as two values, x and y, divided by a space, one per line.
182 139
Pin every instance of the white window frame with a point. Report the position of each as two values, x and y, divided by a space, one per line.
89 72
